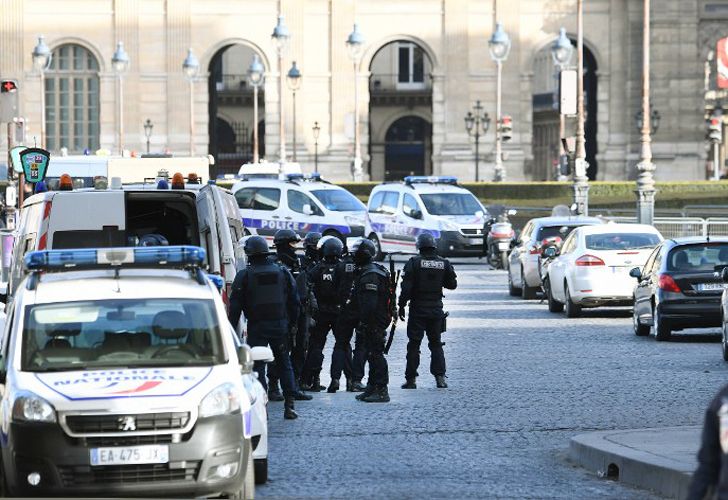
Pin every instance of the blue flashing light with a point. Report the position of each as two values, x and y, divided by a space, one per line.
162 184
55 260
313 176
430 179
218 281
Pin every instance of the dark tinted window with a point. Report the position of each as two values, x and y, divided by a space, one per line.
108 237
701 257
621 241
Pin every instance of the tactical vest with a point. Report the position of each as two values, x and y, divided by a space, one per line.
325 289
387 297
429 276
267 293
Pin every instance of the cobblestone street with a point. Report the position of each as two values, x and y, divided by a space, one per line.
522 381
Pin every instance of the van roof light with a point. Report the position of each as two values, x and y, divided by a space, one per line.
116 183
162 184
430 179
313 177
65 183
193 178
100 182
178 181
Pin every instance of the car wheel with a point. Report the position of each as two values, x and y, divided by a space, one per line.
261 470
527 292
513 291
379 256
554 305
661 327
572 310
639 329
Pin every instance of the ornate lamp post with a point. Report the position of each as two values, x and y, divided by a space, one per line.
256 77
499 46
581 181
316 131
148 126
355 44
294 83
190 67
645 179
42 60
475 121
281 38
561 52
120 63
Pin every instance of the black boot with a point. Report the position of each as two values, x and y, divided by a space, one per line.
349 385
440 381
409 384
316 385
381 395
357 386
274 394
301 396
368 391
288 409
333 387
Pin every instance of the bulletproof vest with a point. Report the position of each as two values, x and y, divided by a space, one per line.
267 297
325 289
296 269
385 300
347 269
429 276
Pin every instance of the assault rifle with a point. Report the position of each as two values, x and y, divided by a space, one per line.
393 281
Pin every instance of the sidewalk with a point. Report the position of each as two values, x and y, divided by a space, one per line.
661 460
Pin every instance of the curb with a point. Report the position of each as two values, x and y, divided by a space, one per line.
603 453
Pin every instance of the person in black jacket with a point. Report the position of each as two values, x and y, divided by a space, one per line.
424 277
266 293
710 480
312 254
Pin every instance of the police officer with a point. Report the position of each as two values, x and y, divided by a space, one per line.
325 284
311 255
424 277
712 472
266 293
372 298
285 241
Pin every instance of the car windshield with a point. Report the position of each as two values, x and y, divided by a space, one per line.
338 200
697 258
121 334
451 203
621 241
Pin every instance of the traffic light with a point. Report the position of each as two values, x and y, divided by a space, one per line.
7 86
715 129
506 127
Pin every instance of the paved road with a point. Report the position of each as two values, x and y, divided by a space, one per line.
522 382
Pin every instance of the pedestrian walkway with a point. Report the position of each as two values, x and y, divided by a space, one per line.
661 460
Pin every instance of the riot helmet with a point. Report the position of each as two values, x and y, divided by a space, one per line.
153 240
332 248
355 245
311 241
425 241
256 246
364 252
285 237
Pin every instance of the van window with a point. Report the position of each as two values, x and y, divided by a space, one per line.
244 197
258 198
109 236
388 203
171 215
296 201
410 205
376 201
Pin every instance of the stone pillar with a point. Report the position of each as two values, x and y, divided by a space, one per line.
178 34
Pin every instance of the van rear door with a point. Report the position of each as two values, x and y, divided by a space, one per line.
87 220
209 237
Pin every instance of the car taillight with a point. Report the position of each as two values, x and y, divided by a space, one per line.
502 235
668 284
589 260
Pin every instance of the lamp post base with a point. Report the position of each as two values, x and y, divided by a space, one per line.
581 187
645 206
500 173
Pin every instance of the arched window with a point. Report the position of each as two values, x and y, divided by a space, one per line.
72 100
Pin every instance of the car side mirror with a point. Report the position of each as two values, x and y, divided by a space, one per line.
262 353
636 273
307 210
416 214
550 252
245 359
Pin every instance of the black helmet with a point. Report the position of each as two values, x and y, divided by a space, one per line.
153 240
311 240
425 240
256 245
332 247
284 236
355 245
365 252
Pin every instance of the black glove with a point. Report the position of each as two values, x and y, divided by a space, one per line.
401 313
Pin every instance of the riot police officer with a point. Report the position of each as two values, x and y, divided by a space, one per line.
311 255
266 293
424 277
711 476
372 298
325 284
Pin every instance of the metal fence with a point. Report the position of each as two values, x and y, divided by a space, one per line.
677 227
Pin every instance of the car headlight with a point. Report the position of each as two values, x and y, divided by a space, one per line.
222 400
249 385
446 225
29 407
354 220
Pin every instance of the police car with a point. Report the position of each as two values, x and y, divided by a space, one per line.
120 376
399 212
301 202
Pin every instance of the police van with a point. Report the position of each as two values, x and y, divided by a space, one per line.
301 202
399 212
120 376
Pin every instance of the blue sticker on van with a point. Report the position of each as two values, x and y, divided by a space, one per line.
302 227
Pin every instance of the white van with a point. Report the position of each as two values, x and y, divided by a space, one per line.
303 203
400 211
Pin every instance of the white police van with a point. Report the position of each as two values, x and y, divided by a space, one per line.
301 202
399 212
120 376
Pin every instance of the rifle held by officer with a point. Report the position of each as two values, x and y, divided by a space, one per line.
393 281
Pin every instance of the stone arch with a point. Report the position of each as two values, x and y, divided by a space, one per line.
371 52
396 115
546 41
72 40
212 51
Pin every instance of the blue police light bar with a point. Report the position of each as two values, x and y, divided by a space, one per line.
56 260
313 176
218 281
430 179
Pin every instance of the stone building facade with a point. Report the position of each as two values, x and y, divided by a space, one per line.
424 64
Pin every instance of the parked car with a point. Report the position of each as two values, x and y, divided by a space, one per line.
593 266
678 287
524 277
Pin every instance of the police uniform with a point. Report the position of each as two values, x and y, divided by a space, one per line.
266 293
711 475
424 277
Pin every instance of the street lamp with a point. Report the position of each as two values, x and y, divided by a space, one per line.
645 178
281 38
475 121
655 118
316 131
580 181
499 46
42 60
561 52
190 67
148 126
120 63
256 77
294 83
355 44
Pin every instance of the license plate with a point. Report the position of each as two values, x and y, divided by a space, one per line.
475 241
130 455
706 287
503 245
